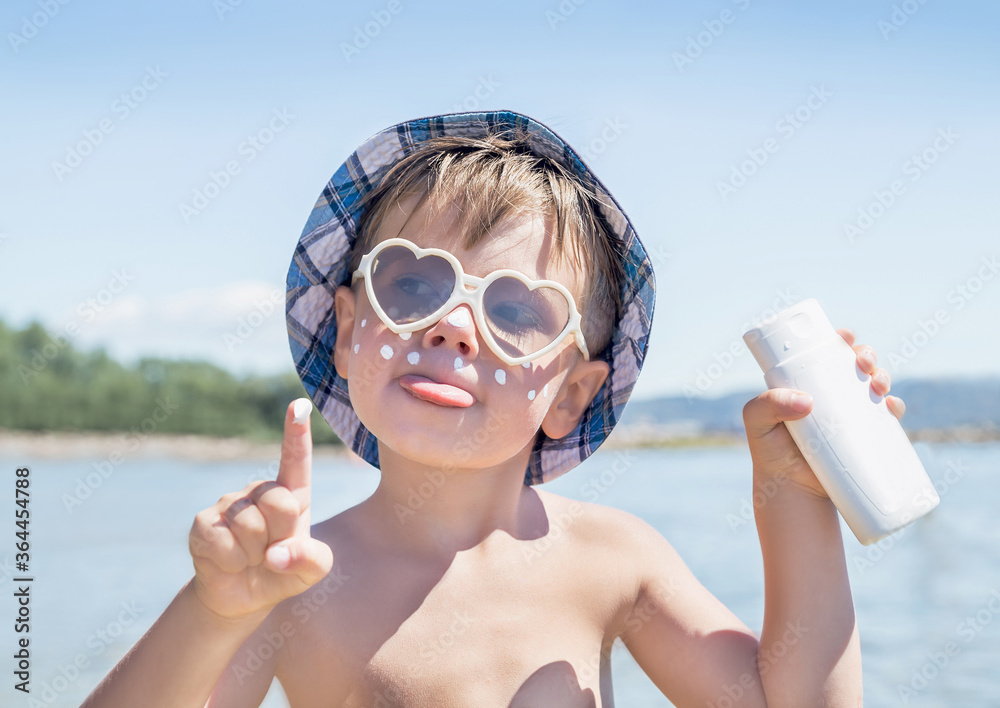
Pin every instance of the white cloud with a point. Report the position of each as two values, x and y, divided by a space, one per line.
239 325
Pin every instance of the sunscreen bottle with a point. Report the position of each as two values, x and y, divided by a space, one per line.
851 439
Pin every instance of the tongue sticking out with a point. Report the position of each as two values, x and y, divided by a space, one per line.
433 392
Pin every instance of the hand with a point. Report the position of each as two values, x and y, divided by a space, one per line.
774 453
253 548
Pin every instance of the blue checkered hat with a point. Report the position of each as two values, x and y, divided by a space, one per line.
321 261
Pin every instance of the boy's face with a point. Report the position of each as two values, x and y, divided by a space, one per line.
440 396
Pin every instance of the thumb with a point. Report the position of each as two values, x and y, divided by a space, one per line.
765 412
308 558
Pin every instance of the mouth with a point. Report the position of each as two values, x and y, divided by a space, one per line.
441 394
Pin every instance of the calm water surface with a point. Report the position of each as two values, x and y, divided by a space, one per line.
105 568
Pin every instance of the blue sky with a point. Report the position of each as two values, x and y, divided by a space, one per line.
742 138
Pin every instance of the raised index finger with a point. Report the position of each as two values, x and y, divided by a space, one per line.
295 468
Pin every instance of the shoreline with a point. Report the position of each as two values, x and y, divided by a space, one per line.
61 445
20 444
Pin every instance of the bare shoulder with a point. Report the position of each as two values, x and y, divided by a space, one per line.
618 547
599 526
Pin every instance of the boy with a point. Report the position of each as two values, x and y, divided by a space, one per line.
469 308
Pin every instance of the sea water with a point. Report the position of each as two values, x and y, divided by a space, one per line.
107 557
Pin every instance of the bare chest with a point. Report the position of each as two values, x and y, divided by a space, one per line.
383 635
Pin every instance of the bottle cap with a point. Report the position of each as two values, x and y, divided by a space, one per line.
788 333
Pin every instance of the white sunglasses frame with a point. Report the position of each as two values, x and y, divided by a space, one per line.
474 299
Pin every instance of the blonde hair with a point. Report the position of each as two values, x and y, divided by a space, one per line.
498 178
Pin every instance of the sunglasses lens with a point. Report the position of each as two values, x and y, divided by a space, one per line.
408 288
523 321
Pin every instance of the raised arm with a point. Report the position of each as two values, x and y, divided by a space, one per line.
251 550
809 650
697 652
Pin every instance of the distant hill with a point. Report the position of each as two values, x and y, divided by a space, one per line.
46 384
931 404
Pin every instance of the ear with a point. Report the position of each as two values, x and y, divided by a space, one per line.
578 390
344 302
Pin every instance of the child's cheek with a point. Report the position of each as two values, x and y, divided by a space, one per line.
525 384
374 348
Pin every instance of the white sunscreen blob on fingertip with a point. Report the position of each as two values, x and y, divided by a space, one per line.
413 358
545 391
500 376
386 351
301 410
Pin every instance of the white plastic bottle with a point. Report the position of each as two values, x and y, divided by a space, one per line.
850 438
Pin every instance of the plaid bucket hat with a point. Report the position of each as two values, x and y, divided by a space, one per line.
321 261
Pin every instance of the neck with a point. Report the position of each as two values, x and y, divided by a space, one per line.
432 511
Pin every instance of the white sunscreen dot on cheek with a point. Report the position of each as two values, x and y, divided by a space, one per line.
500 376
363 323
459 318
405 335
413 357
387 351
531 395
459 364
356 347
545 391
526 365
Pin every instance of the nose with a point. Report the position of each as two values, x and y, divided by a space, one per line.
456 329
